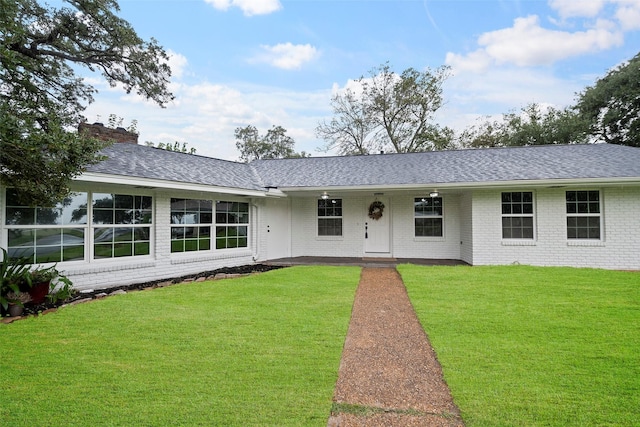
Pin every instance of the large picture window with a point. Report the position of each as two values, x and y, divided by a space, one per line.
330 217
583 215
232 225
191 225
517 215
428 216
47 234
121 225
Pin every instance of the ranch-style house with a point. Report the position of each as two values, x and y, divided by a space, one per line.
148 214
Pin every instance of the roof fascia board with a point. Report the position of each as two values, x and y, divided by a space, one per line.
101 178
476 185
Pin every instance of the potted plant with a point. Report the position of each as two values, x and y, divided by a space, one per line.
45 279
40 282
16 301
14 275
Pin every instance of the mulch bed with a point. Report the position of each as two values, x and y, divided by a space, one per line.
389 374
34 309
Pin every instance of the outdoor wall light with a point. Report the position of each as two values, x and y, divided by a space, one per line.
434 193
324 195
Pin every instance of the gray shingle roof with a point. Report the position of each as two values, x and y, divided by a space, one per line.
547 162
493 165
148 162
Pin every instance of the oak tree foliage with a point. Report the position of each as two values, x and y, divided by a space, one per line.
612 105
532 125
42 97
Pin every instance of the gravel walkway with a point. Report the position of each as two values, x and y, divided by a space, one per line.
389 374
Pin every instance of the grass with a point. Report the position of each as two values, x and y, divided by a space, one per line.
259 350
526 346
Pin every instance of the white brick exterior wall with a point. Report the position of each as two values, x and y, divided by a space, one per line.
473 230
305 241
620 228
466 228
406 245
472 233
304 230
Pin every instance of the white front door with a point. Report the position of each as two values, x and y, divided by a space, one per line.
277 227
377 232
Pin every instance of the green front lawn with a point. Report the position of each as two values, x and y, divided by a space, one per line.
525 346
257 350
520 346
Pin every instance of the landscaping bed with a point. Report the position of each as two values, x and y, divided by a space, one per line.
89 294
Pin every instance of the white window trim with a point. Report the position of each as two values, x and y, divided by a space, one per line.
318 217
429 238
520 241
585 242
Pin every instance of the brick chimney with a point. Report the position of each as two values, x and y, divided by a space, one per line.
99 131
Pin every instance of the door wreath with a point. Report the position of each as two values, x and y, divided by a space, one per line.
375 210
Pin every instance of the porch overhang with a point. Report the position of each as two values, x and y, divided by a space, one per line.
463 186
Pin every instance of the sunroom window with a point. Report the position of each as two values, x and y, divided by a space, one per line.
191 222
121 225
232 225
47 234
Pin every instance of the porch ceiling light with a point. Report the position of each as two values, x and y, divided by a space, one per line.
434 193
324 195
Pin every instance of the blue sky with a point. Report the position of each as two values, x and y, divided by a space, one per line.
277 62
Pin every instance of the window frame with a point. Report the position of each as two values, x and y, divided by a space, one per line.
141 231
332 214
436 216
204 214
587 215
511 215
55 224
140 227
223 228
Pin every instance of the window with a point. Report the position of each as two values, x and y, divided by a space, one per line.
583 215
121 225
47 234
517 215
428 216
232 219
191 225
330 217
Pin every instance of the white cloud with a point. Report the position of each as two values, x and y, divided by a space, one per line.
477 61
178 63
527 43
629 15
286 55
577 8
248 7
